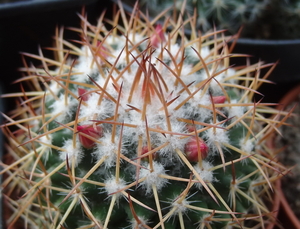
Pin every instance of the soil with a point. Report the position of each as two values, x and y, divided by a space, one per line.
290 157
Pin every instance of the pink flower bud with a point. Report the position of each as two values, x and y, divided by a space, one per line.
145 150
219 99
95 132
191 149
157 37
82 94
101 50
190 128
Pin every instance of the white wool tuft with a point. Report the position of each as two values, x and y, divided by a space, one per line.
235 111
215 136
247 146
74 155
95 112
107 149
60 107
152 177
205 173
112 186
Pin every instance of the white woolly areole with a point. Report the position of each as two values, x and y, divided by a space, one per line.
112 186
247 146
218 79
235 111
74 155
206 219
95 112
180 207
107 149
202 102
174 141
47 139
60 107
54 87
205 173
216 136
139 225
152 177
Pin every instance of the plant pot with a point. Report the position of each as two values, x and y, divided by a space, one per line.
287 72
286 214
275 206
271 51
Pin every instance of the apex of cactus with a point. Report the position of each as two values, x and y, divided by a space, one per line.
140 127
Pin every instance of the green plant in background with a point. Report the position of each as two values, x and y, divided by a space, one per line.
219 14
264 19
139 128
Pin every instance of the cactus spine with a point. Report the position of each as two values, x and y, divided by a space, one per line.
140 128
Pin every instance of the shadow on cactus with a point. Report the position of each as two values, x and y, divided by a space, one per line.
140 128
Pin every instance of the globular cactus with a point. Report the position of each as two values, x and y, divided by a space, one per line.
140 127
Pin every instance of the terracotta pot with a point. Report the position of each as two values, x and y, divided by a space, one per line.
286 216
276 206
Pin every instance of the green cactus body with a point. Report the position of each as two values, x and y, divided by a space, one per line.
142 129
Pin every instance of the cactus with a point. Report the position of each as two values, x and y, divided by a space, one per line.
140 127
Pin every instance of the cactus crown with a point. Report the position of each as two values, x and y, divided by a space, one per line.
140 128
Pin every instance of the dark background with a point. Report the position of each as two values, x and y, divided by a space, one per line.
26 25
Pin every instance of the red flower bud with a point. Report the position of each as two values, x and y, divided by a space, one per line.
145 150
190 128
101 50
82 94
219 99
191 149
158 37
95 132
